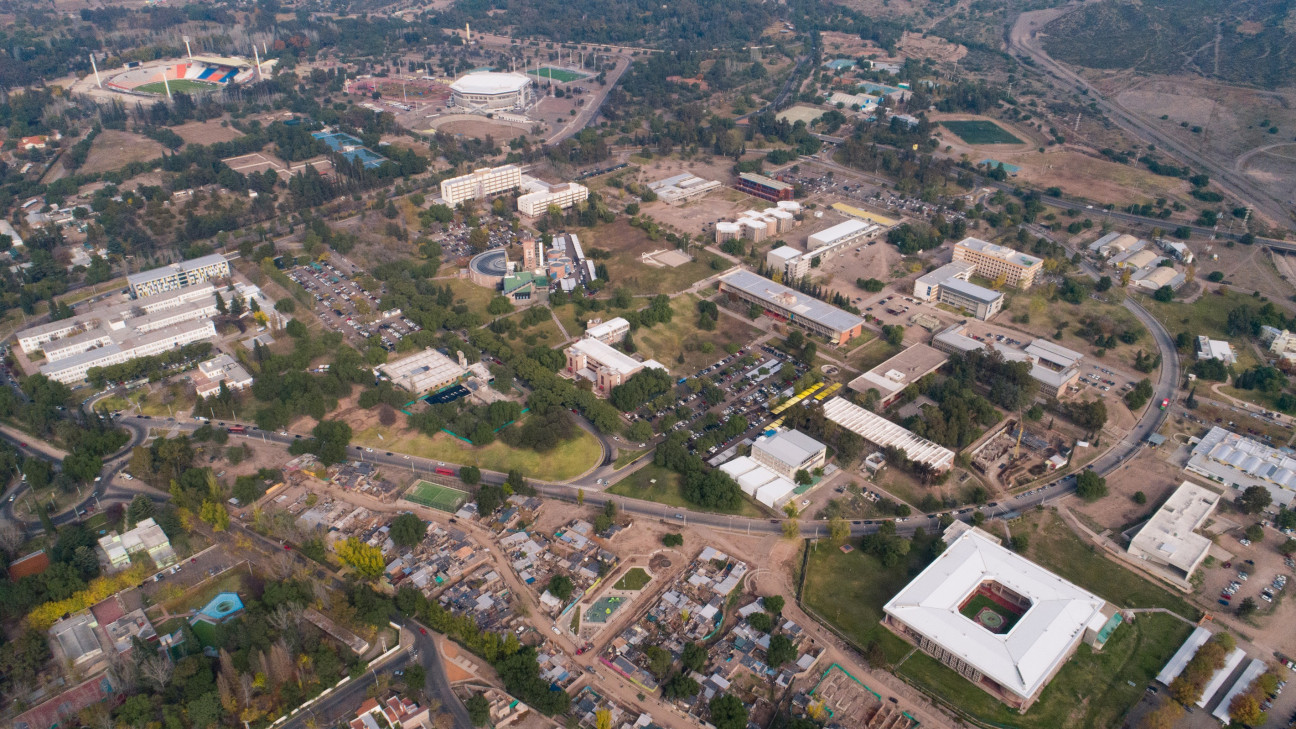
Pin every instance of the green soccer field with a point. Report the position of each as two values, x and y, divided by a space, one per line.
436 496
980 131
183 84
560 75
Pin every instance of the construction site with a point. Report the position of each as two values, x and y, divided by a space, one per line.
1014 456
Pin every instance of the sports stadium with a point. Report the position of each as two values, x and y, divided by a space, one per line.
489 90
195 75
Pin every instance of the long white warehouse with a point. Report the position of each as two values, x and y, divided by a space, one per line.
883 433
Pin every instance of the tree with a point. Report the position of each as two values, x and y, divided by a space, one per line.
407 530
1245 709
499 305
1255 533
1164 294
773 604
367 561
1246 607
1164 716
1288 548
673 540
728 712
838 531
680 686
694 656
761 622
416 677
659 661
802 477
1254 500
561 587
1140 498
603 719
640 431
781 650
1090 486
478 709
470 475
141 508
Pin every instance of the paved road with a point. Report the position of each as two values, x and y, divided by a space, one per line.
341 704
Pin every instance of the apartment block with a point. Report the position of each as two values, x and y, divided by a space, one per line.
480 184
178 275
992 261
536 204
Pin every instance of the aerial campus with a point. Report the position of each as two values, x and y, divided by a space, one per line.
759 366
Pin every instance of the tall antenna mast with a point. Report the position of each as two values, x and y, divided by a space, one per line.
98 81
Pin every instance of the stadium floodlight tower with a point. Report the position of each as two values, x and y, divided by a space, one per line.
98 81
187 48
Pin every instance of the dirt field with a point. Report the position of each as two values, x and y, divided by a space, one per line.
113 149
801 112
698 217
207 132
911 45
1097 179
878 260
626 268
1150 473
480 129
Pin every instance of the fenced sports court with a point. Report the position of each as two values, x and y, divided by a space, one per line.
436 496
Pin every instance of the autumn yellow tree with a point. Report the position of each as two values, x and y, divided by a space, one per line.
367 561
603 719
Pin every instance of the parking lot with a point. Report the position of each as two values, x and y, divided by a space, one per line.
743 384
344 306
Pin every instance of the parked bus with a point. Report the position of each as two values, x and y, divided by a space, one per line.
445 472
237 429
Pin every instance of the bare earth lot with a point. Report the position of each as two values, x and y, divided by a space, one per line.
206 132
114 149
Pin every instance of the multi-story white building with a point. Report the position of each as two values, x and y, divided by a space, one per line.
178 275
115 334
789 451
535 204
612 330
480 184
949 285
73 369
993 261
221 368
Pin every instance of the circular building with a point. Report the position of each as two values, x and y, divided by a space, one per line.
488 268
489 90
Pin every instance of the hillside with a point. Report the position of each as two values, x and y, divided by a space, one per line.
1244 43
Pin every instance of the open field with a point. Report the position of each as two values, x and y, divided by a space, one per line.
1092 690
1048 315
1056 547
849 591
480 129
633 580
625 268
568 460
206 132
802 113
666 342
980 131
179 85
1096 179
667 490
471 295
114 149
1207 315
544 334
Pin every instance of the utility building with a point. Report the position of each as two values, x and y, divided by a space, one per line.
789 451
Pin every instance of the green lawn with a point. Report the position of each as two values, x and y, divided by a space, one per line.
471 295
849 591
180 84
625 458
195 598
634 580
981 131
568 460
666 490
1057 548
1091 690
544 334
1207 315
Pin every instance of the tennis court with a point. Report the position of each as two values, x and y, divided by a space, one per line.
561 75
436 496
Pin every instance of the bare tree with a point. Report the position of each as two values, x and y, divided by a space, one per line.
12 537
156 670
